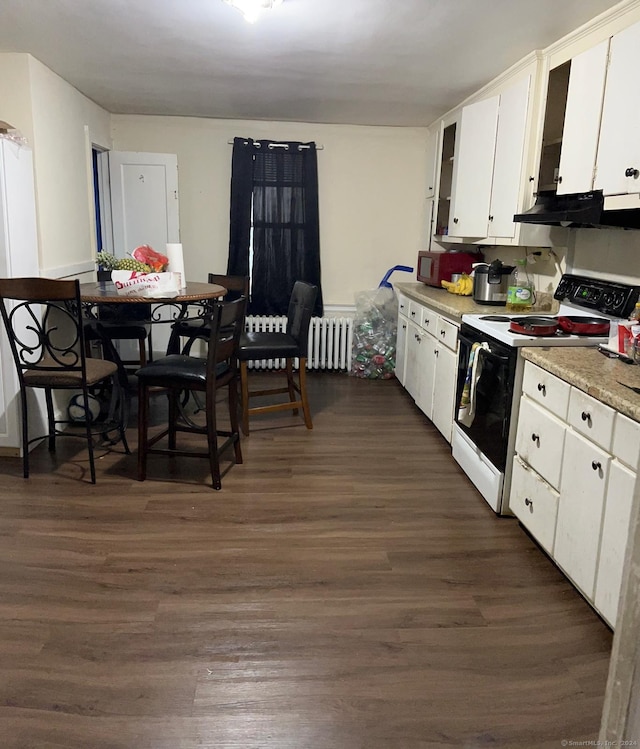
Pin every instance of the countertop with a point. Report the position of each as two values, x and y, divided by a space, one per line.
455 306
594 373
586 368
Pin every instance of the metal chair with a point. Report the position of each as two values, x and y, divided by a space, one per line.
43 321
290 345
177 373
194 330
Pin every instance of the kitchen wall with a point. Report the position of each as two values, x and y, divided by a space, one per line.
60 125
607 253
372 187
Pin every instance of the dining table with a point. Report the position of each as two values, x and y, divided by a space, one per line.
192 302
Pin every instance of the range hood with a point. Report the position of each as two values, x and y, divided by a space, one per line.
578 210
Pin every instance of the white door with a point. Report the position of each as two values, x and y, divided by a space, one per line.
144 200
582 120
144 210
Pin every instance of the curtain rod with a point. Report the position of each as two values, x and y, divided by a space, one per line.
279 145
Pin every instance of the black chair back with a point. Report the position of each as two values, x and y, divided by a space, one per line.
301 304
236 286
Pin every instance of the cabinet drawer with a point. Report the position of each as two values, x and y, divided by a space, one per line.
429 320
540 441
403 305
546 389
447 333
415 311
591 418
534 503
626 441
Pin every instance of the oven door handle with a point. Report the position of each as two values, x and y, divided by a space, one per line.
485 351
489 354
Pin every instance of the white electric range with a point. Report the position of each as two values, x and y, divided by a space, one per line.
484 437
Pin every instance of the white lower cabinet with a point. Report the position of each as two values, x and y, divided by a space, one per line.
430 368
534 503
573 481
582 490
401 340
615 530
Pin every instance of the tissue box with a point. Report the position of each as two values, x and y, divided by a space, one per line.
148 285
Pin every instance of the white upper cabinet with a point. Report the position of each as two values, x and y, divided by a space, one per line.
432 155
473 169
582 120
488 164
618 161
508 163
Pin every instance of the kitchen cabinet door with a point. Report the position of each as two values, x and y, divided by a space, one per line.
473 169
414 339
509 156
534 503
401 348
618 161
426 373
432 160
444 390
582 120
615 530
585 472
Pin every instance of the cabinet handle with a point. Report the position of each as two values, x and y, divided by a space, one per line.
490 218
586 416
542 388
443 333
596 465
529 503
535 438
559 180
631 172
455 220
532 179
436 352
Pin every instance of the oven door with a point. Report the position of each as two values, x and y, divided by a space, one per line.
489 431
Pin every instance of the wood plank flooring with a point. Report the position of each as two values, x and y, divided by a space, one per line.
347 589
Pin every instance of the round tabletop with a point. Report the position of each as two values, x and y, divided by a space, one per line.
104 292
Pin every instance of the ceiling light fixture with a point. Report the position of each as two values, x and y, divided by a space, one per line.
251 9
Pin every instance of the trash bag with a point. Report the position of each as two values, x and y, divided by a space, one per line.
375 328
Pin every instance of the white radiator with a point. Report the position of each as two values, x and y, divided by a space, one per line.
330 341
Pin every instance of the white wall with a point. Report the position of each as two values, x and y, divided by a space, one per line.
60 125
64 124
613 254
372 192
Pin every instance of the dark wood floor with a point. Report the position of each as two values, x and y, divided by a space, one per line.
347 589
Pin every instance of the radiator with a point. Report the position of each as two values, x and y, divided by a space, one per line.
330 341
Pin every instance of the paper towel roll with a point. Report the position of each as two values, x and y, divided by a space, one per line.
176 262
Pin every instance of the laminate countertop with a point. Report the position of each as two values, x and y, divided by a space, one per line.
455 306
594 373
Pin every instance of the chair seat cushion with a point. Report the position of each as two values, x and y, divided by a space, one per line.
97 370
267 345
178 368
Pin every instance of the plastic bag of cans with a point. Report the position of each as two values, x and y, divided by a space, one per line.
374 334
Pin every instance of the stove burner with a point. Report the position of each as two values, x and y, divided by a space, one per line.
496 318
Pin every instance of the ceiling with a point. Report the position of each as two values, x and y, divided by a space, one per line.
367 62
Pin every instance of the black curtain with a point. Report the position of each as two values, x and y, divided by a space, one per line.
286 233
